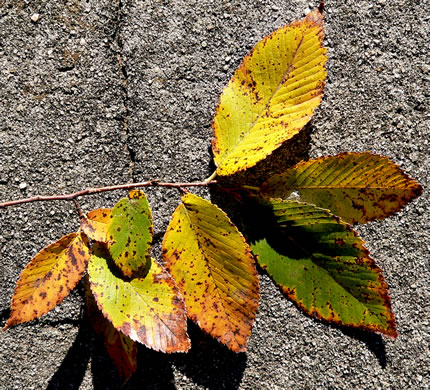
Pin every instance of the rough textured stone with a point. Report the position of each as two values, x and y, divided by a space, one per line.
92 88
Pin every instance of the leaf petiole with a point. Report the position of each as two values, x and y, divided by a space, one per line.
211 177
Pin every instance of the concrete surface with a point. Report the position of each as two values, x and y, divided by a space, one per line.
102 92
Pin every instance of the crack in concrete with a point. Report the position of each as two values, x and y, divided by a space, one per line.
124 84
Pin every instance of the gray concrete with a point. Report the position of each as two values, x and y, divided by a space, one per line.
91 88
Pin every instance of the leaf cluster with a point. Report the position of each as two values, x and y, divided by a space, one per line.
296 225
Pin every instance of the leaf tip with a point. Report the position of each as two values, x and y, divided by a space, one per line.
12 321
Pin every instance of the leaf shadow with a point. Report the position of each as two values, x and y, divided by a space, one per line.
285 156
208 363
374 342
153 371
71 372
4 315
221 368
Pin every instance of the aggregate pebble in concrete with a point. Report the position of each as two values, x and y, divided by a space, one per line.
74 115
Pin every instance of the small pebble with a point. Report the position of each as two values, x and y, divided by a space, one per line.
35 17
22 185
425 68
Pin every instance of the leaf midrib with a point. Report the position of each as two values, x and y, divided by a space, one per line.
337 187
210 273
284 77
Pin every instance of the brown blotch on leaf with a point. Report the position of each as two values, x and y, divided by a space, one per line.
126 328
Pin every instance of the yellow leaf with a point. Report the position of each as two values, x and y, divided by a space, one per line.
358 187
214 269
271 96
95 226
48 278
147 309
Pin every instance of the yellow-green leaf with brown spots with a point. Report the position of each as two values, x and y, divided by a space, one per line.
149 309
320 263
121 348
271 96
214 269
48 278
358 187
130 233
95 226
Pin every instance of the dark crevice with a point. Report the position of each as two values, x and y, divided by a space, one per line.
118 48
66 68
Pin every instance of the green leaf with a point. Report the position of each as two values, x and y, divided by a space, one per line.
320 264
130 233
271 96
214 269
147 309
358 187
121 349
48 278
